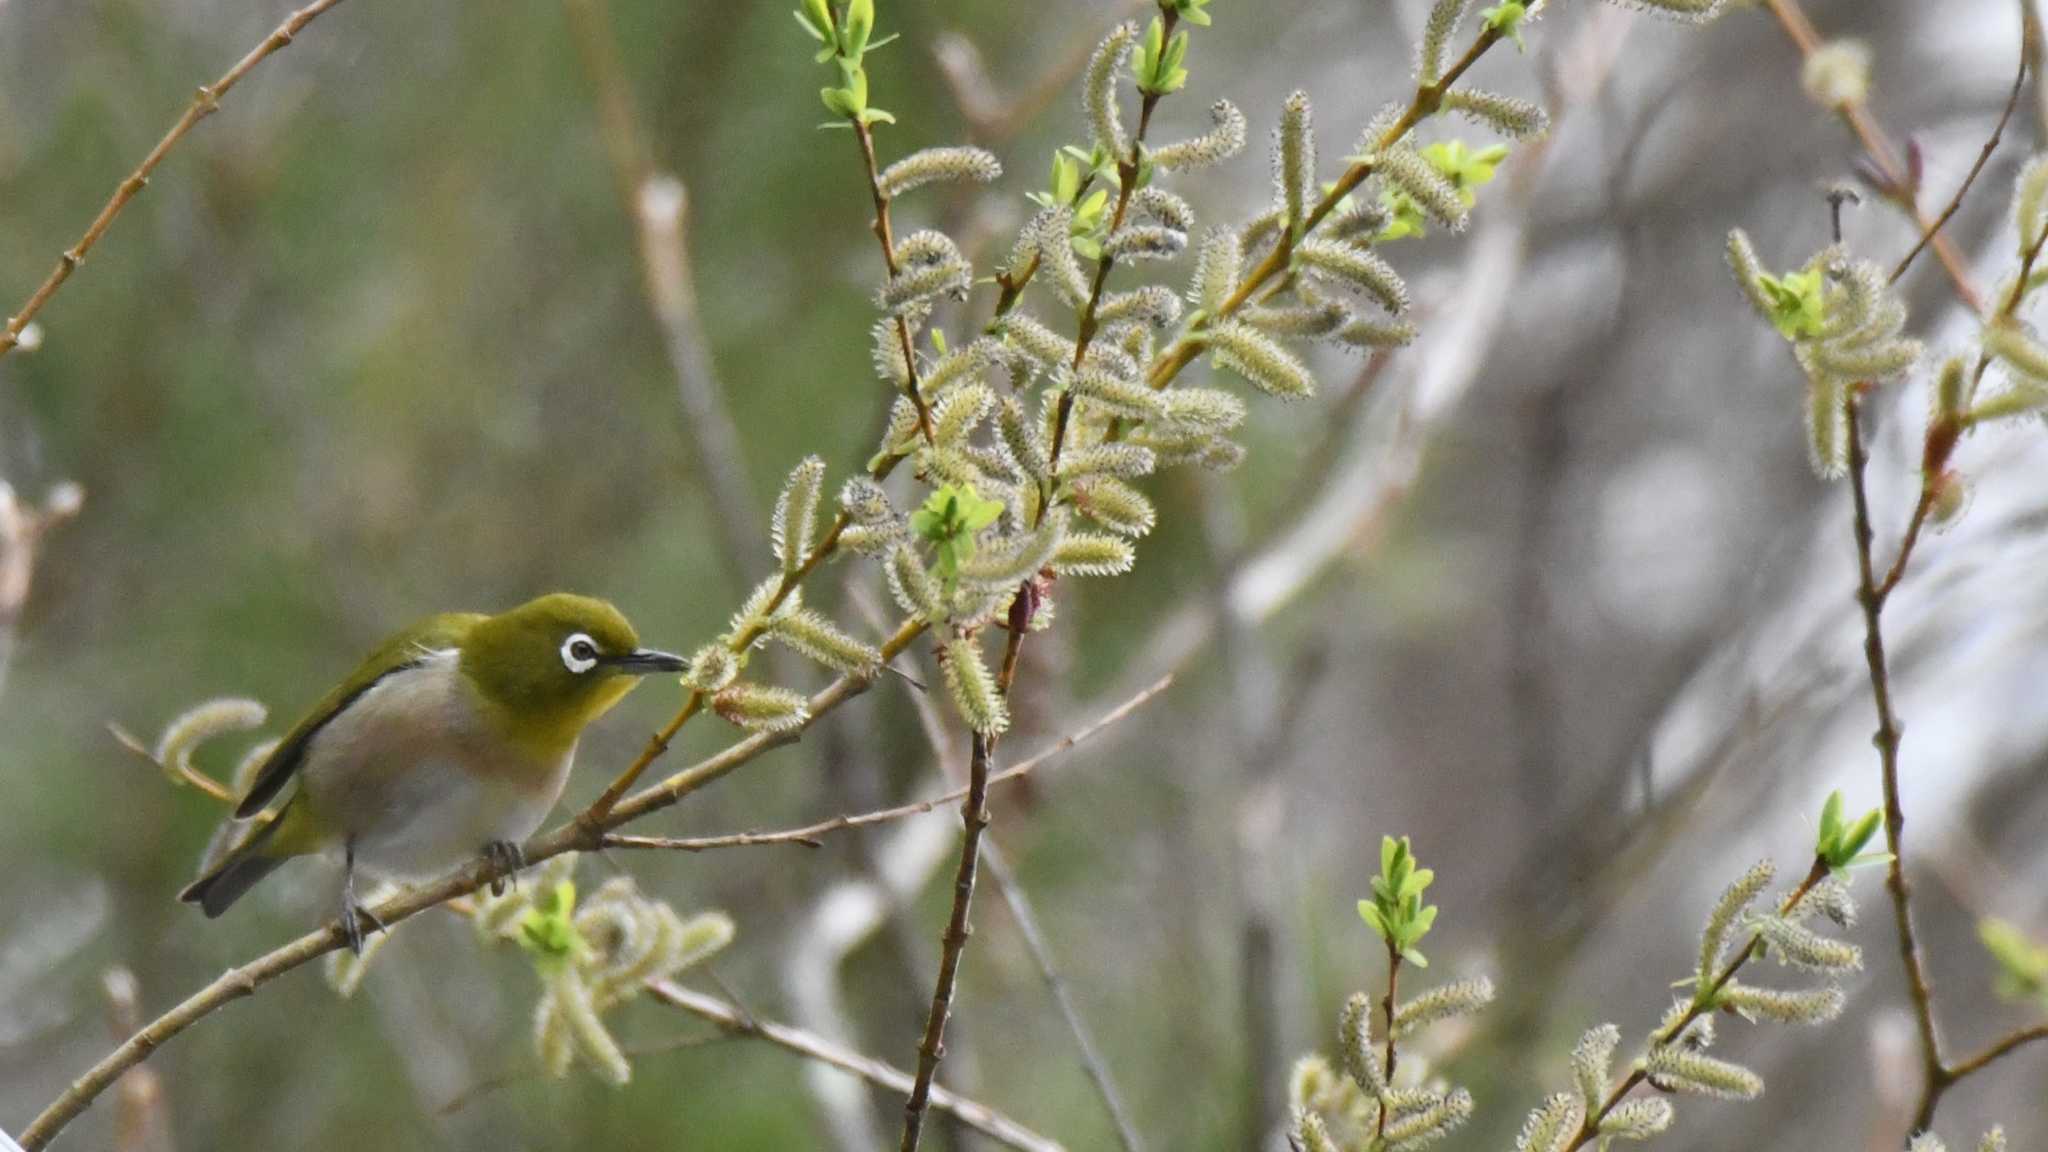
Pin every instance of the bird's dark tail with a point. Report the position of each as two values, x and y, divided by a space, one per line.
248 863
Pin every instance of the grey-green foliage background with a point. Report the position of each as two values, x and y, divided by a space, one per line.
372 345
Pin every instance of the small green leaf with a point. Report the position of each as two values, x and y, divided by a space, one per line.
839 101
1831 818
816 32
1798 309
1506 19
860 24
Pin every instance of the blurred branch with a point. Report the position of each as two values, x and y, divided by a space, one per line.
657 205
204 103
1896 186
981 1118
993 118
809 834
22 528
142 1121
1012 892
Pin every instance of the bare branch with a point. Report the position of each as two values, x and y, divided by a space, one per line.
979 1117
204 103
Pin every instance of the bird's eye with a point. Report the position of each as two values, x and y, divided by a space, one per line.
579 653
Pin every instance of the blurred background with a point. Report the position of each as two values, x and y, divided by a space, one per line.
1554 591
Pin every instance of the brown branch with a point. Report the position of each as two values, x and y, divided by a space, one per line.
1388 1005
204 103
1887 741
733 1019
886 234
1011 890
1857 116
1955 202
974 818
810 834
1995 1051
577 834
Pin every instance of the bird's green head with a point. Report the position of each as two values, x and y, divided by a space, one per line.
553 665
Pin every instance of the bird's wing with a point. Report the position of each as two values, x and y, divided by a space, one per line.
404 650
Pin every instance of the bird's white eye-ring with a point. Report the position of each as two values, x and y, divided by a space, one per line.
579 654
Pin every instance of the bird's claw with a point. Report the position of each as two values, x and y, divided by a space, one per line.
354 917
506 859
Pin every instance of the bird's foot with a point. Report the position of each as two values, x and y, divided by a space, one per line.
357 922
506 859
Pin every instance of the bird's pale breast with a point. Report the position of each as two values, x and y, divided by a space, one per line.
413 776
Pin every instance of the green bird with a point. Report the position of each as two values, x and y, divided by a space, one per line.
454 737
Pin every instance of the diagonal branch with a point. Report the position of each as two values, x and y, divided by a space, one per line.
979 1117
809 834
205 103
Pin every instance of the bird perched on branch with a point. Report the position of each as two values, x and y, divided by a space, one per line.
454 737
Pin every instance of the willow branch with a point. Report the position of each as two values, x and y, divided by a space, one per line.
1427 99
729 1017
1998 1050
1887 741
1703 1000
974 818
205 102
1955 202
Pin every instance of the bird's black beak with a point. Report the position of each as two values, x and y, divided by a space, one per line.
644 661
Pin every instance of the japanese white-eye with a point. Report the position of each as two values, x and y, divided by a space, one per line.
454 737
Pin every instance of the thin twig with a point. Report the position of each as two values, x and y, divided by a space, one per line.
1887 740
180 770
1857 115
204 103
656 203
885 233
810 834
979 1117
1092 1062
1019 903
1995 1051
1955 202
